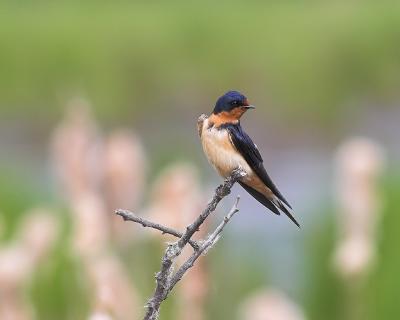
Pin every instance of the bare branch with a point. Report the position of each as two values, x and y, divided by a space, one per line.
207 244
162 280
165 279
130 216
222 191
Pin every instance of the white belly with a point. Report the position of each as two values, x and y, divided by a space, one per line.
220 151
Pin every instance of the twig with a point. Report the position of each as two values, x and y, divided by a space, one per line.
207 244
222 191
165 279
130 216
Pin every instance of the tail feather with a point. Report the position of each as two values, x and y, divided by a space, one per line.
261 198
275 205
285 210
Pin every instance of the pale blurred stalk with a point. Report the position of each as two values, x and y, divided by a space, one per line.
359 164
177 200
270 304
91 174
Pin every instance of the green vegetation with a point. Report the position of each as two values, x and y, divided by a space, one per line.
310 58
58 291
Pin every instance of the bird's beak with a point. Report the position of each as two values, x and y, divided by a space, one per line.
250 107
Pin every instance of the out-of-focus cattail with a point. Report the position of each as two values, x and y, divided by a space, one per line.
359 163
76 151
114 297
83 165
113 294
124 178
16 268
16 308
125 170
100 316
176 201
35 237
38 232
176 197
270 304
193 292
91 234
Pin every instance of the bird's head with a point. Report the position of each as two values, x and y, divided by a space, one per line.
232 105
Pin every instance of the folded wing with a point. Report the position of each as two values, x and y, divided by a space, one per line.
250 153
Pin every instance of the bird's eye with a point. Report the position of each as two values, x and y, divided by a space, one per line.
234 103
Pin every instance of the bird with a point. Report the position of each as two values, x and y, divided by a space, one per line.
228 147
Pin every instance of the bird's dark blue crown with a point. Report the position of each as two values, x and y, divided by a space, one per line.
229 101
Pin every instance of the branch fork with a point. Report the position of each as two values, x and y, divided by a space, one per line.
166 279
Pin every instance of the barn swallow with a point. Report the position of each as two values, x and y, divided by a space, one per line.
228 147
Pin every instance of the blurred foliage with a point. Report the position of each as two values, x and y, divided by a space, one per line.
58 291
327 297
16 195
325 293
126 55
384 285
239 273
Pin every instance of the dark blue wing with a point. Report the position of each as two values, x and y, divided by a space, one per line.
250 153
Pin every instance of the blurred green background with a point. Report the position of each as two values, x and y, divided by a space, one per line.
319 72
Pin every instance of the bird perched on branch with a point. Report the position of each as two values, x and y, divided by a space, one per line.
228 147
